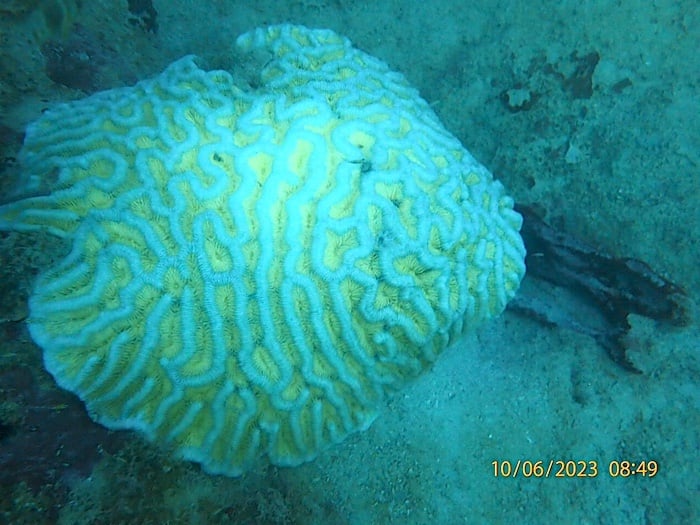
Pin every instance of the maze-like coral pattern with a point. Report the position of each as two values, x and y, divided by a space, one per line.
252 272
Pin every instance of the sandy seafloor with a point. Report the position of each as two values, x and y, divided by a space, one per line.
617 166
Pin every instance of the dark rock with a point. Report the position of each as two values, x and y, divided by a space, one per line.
580 83
572 285
144 15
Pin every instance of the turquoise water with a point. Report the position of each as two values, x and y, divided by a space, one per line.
587 113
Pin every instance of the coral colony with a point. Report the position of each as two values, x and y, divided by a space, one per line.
254 270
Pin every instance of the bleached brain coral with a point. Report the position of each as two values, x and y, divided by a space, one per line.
252 271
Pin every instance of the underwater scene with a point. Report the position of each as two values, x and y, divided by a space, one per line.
349 262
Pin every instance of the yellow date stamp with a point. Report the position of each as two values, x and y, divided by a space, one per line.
562 468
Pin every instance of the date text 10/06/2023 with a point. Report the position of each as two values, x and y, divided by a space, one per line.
573 469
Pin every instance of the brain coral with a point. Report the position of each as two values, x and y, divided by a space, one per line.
253 270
